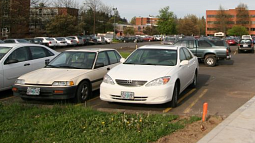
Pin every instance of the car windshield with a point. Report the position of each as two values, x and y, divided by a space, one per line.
3 51
169 39
60 39
246 41
73 60
162 57
22 41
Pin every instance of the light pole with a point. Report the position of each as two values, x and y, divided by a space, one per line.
94 11
114 10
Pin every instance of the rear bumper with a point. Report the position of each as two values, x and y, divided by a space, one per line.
46 92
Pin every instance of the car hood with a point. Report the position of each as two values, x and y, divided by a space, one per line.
139 72
49 75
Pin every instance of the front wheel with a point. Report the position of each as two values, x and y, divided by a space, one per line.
83 92
174 101
210 60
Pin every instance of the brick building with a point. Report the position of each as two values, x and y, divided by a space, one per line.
142 22
14 18
40 16
212 21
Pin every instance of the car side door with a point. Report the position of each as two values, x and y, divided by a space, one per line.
16 64
40 56
183 72
191 65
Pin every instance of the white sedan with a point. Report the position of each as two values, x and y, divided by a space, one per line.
73 74
151 75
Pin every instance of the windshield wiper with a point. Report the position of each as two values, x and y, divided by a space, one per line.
70 67
130 63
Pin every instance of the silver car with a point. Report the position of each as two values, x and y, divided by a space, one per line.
18 59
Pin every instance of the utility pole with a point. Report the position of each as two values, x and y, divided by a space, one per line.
114 31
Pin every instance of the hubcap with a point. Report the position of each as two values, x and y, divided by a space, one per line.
84 92
210 61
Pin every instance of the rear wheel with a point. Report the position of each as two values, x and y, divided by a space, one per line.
83 92
210 60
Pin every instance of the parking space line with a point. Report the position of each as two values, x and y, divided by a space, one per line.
186 95
167 110
94 98
7 98
187 110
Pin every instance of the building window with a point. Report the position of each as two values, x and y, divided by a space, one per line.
213 22
242 22
211 16
230 22
252 29
252 22
252 16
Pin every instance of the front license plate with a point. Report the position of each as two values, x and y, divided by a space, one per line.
33 91
127 95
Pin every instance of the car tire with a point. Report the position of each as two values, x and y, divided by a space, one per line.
194 83
83 92
239 51
210 60
174 101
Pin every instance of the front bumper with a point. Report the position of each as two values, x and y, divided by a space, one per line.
142 95
46 92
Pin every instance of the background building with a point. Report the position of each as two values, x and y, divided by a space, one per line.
14 18
213 21
40 16
142 22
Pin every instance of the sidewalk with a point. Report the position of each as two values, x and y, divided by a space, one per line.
239 127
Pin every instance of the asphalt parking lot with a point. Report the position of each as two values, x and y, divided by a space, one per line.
225 88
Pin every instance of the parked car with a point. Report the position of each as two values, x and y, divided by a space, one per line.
1 41
253 39
169 40
220 42
15 41
148 38
205 50
18 59
79 39
129 39
108 40
34 41
151 75
101 40
231 41
70 41
47 41
61 42
245 45
73 74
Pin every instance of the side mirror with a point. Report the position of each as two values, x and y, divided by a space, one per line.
122 60
47 62
99 65
12 61
184 62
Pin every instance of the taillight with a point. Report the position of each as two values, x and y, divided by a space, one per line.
50 42
227 52
71 41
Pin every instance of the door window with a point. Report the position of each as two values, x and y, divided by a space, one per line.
40 52
204 43
102 58
182 55
113 56
20 54
187 53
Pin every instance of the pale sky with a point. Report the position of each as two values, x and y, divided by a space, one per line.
181 8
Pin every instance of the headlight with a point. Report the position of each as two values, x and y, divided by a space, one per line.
20 81
159 81
108 79
63 83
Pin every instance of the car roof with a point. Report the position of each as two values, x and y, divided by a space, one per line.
18 44
171 47
89 50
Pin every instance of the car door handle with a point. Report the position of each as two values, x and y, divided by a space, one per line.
28 64
108 69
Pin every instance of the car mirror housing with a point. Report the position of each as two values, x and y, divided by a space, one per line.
122 60
184 62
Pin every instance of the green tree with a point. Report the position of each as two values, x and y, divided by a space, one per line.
166 22
151 30
62 25
237 30
129 31
133 21
222 20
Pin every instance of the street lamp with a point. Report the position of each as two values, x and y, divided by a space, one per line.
94 11
114 10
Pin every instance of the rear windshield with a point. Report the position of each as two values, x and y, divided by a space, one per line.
245 41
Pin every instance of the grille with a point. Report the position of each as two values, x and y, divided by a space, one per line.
130 82
39 84
136 98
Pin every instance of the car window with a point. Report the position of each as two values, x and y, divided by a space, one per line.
203 43
20 54
182 55
102 58
187 53
9 41
38 52
3 51
22 41
113 57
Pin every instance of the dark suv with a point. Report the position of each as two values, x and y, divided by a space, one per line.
245 45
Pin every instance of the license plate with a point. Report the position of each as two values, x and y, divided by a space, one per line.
33 91
245 45
127 95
